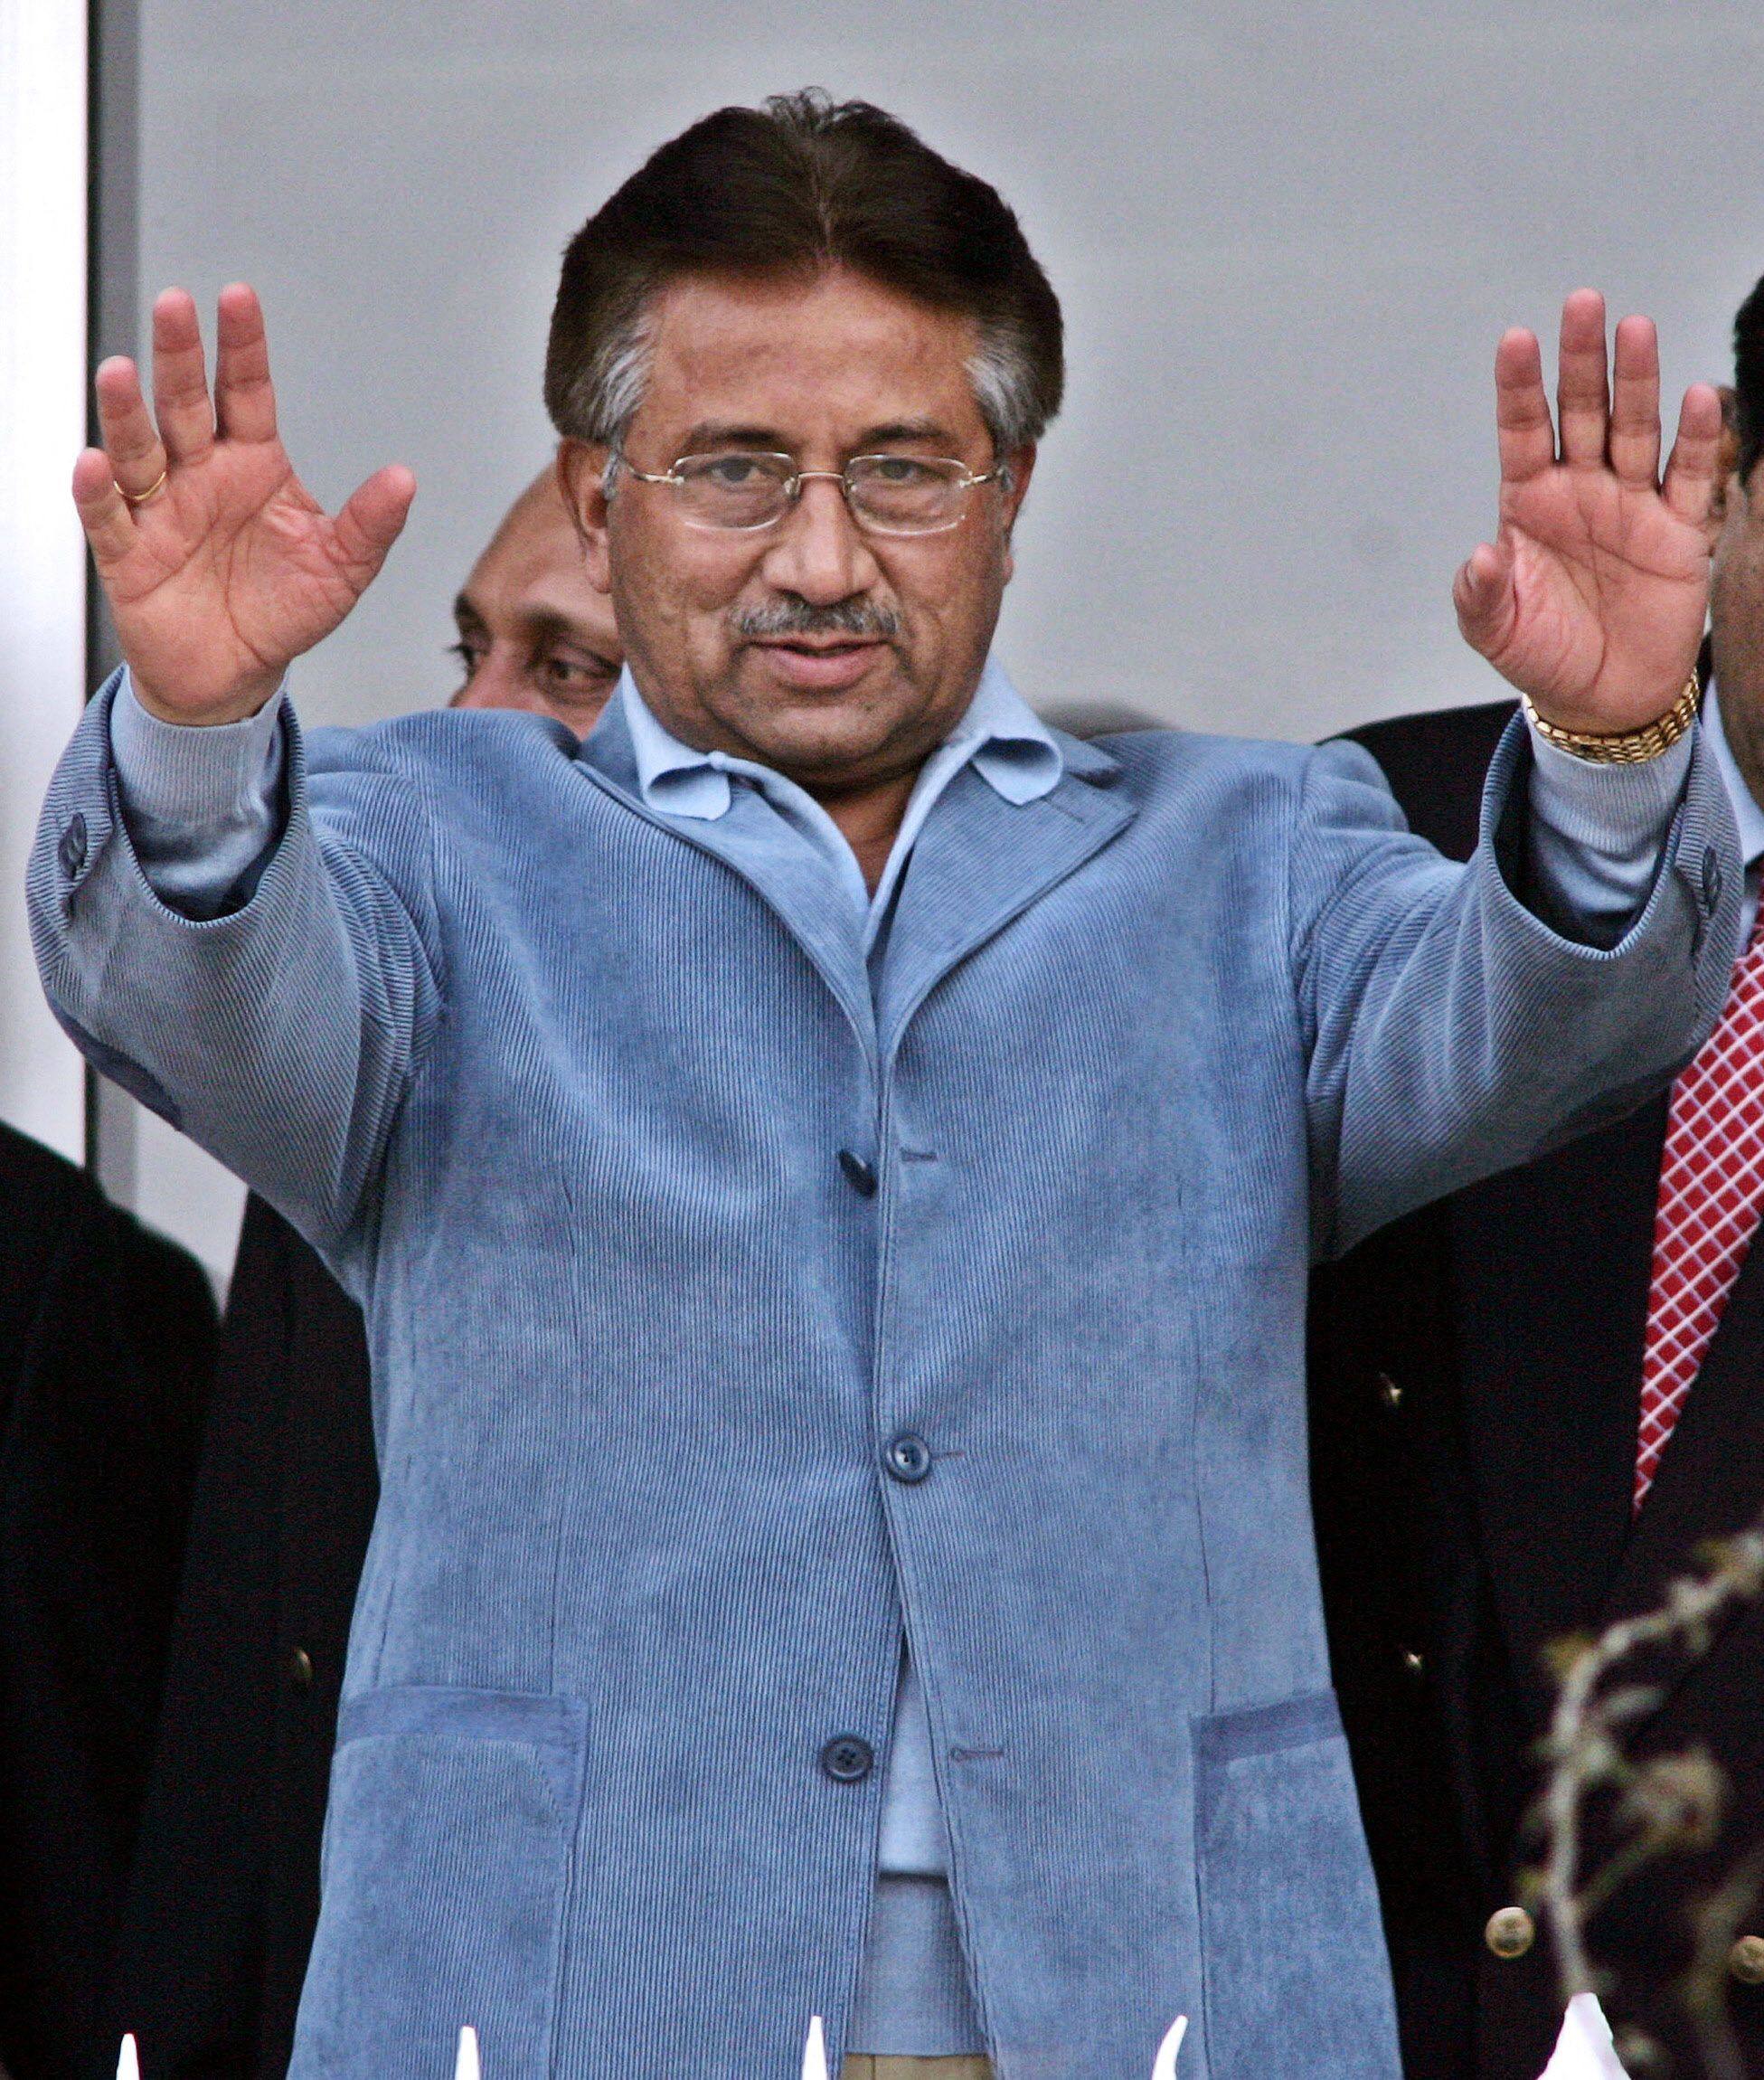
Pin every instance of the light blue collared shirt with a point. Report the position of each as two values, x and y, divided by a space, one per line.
1001 736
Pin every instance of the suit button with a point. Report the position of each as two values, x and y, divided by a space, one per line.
1511 1932
1414 1664
1389 1392
1745 1961
1712 877
299 1669
859 1175
71 851
848 1759
908 1459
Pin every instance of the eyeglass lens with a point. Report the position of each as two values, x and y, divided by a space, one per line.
898 494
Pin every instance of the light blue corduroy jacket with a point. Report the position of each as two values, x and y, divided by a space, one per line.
560 1091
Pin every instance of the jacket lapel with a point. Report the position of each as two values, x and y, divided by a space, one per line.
981 861
1551 1266
761 849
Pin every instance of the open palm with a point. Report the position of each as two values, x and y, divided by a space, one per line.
218 565
1592 596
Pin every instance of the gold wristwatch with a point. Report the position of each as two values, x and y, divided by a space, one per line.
1622 746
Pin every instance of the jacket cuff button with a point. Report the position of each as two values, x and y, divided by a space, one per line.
71 851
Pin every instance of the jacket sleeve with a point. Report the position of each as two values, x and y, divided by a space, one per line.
1450 1032
282 1036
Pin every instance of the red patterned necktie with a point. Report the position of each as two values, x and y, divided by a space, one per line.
1711 1191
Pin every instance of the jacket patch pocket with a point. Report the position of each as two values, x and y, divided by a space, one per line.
1296 1978
446 1867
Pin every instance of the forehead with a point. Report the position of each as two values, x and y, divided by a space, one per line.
536 545
534 569
830 358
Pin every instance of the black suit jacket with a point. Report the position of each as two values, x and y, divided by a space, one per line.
1475 1381
224 1896
107 1345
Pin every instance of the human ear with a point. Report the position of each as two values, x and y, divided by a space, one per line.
1019 467
1727 459
581 478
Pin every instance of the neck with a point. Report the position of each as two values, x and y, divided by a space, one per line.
869 819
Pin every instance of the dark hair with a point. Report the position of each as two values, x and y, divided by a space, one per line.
804 184
1748 378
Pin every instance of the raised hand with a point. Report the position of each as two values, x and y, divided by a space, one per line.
1592 595
220 566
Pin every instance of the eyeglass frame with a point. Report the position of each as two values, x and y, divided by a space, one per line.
1000 473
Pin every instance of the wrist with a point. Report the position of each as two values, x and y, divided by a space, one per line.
1636 746
238 705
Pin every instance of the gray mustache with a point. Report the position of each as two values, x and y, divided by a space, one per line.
798 618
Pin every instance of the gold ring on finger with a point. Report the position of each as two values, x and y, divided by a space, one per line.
152 491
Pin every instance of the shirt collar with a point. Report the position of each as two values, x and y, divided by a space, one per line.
1007 743
1747 814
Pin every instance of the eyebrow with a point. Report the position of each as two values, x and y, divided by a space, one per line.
545 624
718 433
464 611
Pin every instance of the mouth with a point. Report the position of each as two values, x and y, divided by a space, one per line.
819 664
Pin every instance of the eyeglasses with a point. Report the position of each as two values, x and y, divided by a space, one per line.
886 494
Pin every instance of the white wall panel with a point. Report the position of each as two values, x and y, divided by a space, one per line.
1286 239
43 598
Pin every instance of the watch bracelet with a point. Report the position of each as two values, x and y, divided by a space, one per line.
1622 746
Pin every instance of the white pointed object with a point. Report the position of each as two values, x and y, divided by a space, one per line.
1584 2050
465 2066
815 2051
128 2060
1163 2067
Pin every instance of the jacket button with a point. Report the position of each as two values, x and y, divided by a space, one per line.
71 851
859 1175
1511 1932
1745 1961
1712 877
299 1669
848 1759
1414 1664
1389 1392
908 1459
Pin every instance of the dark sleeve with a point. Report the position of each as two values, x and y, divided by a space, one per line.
107 1345
224 1896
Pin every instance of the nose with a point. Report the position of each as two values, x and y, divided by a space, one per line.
817 551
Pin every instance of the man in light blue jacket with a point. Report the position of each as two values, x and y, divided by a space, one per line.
830 1164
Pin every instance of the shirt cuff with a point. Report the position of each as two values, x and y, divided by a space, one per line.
180 773
202 803
1598 832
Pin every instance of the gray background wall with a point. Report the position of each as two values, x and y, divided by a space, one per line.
1287 238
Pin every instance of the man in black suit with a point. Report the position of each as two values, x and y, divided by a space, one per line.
1485 1482
107 1345
224 1897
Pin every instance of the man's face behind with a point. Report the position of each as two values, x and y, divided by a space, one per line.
825 650
533 633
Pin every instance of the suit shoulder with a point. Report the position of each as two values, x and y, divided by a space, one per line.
1184 769
58 1207
440 740
1162 757
44 1194
1436 763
